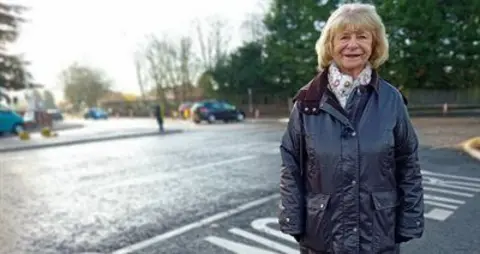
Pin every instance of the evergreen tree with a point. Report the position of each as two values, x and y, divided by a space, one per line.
12 68
293 29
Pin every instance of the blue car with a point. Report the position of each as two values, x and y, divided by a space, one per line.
95 113
10 122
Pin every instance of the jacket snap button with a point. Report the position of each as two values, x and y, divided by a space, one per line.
314 109
354 229
287 219
354 134
322 206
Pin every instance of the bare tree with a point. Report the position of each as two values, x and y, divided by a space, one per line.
171 64
213 37
140 69
189 68
84 84
155 67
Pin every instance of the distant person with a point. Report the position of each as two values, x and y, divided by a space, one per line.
351 180
159 116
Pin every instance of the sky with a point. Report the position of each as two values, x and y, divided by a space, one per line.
105 33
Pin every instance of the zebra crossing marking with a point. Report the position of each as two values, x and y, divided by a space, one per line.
444 194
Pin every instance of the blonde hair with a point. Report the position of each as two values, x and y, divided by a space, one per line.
358 17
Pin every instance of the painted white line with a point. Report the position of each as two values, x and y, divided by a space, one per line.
475 187
262 226
265 241
442 199
438 214
466 178
275 151
441 147
458 193
236 247
200 223
442 205
163 175
451 186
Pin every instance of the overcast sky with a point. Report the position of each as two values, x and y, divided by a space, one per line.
105 33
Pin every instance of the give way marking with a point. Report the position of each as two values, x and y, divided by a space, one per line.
450 186
454 191
261 225
446 193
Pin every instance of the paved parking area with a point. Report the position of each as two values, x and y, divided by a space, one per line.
212 189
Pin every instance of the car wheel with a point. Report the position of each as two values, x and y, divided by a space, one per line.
17 128
240 117
211 119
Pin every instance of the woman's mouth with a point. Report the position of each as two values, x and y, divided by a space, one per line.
352 55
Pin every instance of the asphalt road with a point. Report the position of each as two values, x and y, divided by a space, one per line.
212 189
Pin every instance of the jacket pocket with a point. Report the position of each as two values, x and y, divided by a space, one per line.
384 221
317 226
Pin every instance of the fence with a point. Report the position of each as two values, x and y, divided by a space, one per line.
422 100
425 98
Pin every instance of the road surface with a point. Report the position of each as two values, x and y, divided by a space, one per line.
212 189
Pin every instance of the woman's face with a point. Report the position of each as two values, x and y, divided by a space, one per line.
352 49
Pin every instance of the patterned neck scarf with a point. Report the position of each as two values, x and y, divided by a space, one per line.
342 85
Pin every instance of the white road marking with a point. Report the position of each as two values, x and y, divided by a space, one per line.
438 214
143 179
458 193
444 207
451 184
465 178
442 199
439 204
262 240
236 247
200 223
442 211
262 226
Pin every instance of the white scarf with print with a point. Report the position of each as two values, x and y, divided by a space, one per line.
342 85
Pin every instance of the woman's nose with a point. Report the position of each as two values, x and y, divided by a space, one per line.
352 43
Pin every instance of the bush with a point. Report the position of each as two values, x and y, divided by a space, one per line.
24 135
47 132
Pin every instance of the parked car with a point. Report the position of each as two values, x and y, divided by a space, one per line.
56 114
10 121
95 113
214 110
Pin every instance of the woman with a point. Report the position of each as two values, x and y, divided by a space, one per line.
351 181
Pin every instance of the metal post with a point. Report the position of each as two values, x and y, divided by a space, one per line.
250 101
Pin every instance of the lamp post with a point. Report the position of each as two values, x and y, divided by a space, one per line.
250 101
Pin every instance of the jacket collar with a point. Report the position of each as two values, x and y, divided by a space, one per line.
313 96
